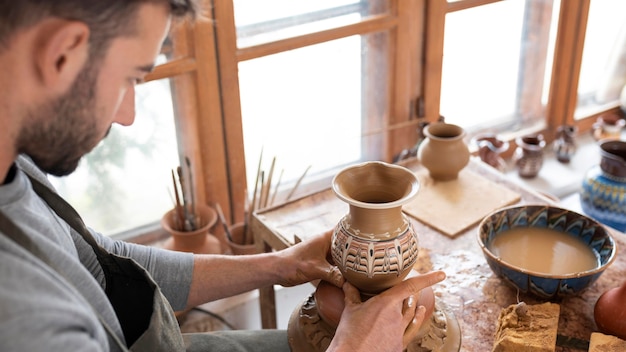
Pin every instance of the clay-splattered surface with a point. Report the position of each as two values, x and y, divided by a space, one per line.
471 291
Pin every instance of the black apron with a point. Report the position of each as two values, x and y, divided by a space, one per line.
146 318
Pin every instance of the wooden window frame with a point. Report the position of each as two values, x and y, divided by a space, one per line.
405 31
205 84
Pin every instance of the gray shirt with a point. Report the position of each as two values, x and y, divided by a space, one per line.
42 310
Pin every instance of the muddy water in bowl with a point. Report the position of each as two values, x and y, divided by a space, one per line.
544 250
544 217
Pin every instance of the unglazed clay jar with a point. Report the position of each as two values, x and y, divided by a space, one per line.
374 245
444 152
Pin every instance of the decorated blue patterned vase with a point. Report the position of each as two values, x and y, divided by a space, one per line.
603 194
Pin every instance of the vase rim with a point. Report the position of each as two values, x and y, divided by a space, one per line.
370 167
444 131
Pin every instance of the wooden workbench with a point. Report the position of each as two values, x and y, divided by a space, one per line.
471 291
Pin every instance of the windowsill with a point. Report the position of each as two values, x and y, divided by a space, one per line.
561 180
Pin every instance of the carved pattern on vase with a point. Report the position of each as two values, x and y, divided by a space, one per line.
372 258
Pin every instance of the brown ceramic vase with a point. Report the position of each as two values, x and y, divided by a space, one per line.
443 152
374 245
197 241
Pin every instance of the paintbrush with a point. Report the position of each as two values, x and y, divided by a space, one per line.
280 177
220 215
293 190
193 198
180 217
254 199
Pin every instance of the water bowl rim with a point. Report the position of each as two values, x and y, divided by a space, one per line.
599 269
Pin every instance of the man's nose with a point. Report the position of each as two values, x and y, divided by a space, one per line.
125 114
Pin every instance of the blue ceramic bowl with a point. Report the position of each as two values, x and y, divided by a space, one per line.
542 285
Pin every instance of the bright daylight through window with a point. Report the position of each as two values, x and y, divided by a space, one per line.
318 88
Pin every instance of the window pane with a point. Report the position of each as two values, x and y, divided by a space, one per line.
494 64
313 106
123 183
264 21
603 70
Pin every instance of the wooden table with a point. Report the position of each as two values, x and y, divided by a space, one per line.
471 291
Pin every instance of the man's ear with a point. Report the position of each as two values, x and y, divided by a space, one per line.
62 53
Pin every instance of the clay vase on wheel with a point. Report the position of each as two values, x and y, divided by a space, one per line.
443 152
374 245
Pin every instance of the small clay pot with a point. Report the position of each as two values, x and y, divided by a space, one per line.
197 241
489 149
444 152
237 245
528 156
565 143
608 126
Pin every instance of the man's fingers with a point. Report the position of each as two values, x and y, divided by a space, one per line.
352 295
414 285
335 277
408 309
414 326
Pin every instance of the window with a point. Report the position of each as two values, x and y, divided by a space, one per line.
603 68
316 85
494 64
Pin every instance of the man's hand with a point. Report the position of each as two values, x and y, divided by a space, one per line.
308 261
388 321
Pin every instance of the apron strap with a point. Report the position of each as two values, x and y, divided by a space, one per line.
16 234
130 292
67 213
145 316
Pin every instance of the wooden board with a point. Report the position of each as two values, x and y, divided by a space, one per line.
453 206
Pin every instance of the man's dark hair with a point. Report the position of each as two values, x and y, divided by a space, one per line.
107 19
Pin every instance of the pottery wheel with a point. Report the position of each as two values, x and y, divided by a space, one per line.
441 333
309 333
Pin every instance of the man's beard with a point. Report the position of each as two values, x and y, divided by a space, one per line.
57 143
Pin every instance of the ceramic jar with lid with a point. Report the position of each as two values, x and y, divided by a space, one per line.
603 194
